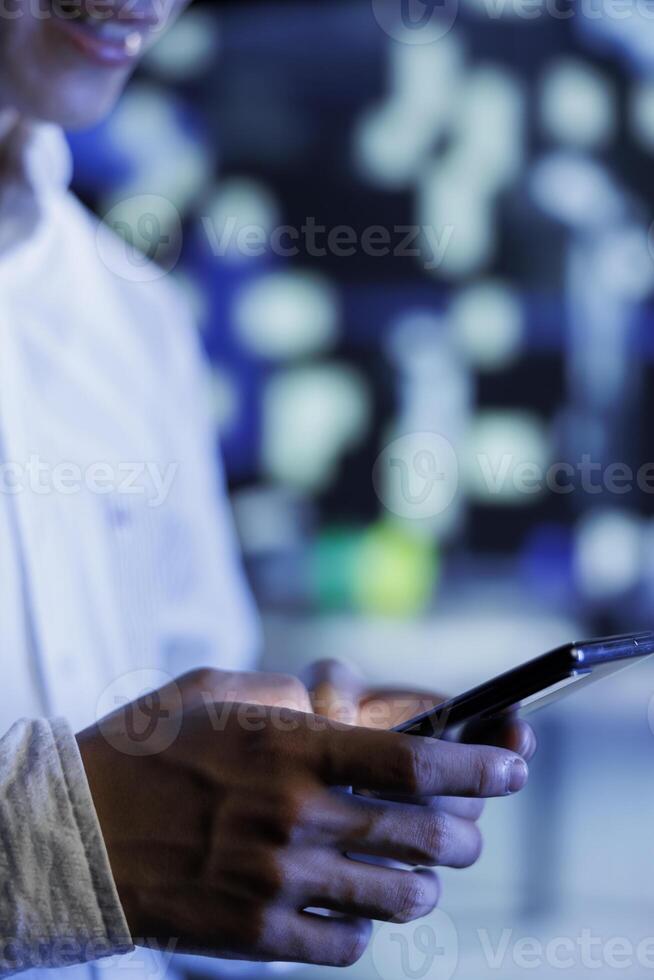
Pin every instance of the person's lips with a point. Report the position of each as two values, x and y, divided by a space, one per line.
109 35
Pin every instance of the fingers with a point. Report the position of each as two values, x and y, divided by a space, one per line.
469 808
339 692
410 834
207 685
522 736
387 708
508 732
322 941
372 892
218 924
407 765
336 689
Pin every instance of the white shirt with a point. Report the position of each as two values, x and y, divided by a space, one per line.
101 384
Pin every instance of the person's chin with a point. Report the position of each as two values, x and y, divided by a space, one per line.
72 71
82 104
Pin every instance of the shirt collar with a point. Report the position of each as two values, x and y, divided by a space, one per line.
36 164
46 158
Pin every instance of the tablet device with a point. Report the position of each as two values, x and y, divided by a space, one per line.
535 683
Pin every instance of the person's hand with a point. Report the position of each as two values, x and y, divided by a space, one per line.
340 692
225 822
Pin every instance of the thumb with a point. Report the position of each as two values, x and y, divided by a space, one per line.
336 688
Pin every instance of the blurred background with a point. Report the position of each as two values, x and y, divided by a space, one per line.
418 250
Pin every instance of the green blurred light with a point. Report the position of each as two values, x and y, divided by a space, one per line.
381 570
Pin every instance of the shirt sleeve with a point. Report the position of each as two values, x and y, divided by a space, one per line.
58 901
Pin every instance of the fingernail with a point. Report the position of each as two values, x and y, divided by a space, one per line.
518 775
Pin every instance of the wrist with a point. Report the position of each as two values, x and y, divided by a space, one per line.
99 764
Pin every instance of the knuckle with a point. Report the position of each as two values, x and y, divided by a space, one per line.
353 947
368 823
486 775
291 692
288 813
271 876
202 680
282 828
349 893
255 876
250 928
414 766
433 838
